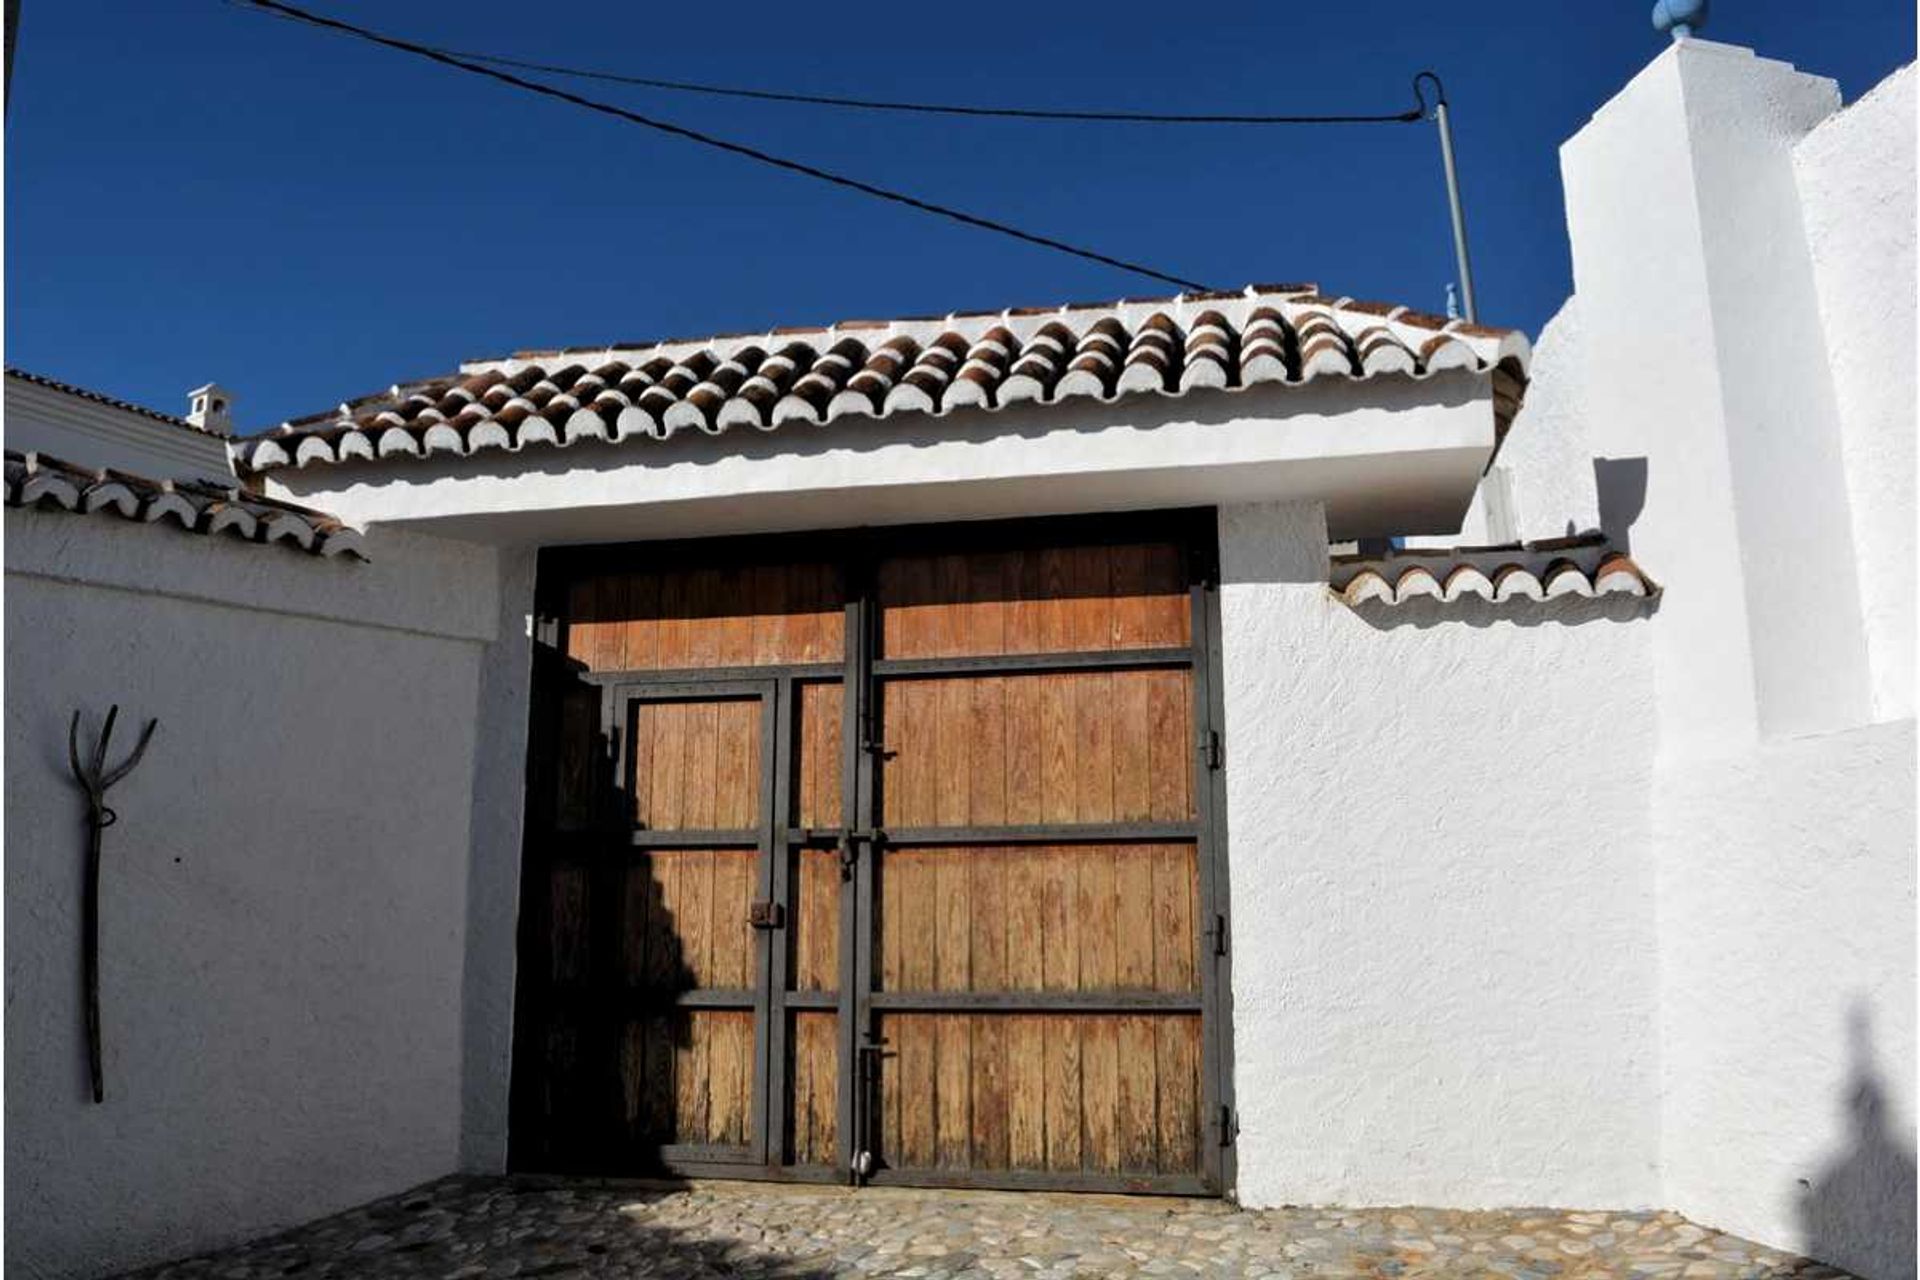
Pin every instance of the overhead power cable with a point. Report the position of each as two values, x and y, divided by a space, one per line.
1409 116
722 144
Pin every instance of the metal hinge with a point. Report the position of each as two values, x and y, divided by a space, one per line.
1229 1126
1211 750
1217 933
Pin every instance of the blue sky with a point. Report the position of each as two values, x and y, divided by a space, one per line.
198 192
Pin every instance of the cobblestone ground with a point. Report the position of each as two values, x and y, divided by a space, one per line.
462 1227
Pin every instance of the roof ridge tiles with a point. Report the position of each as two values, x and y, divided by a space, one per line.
1218 340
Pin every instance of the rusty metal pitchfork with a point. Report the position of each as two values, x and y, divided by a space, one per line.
94 779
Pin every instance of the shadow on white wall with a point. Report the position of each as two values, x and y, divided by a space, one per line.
1858 1211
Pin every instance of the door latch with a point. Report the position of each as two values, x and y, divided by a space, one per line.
766 915
849 845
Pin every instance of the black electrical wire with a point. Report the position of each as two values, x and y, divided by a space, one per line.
1408 116
693 135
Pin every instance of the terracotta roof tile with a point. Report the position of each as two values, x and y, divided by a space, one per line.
1530 574
1280 335
37 480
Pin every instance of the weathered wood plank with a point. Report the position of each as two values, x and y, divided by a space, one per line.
816 939
1178 1056
812 1115
1138 1089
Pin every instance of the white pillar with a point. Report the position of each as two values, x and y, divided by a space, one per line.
1706 358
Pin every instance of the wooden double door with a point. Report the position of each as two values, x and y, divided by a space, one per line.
885 856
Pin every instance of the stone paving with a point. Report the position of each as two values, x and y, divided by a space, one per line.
469 1228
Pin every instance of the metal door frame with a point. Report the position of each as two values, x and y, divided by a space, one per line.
861 674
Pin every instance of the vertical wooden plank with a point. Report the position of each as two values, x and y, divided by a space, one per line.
1099 1047
675 629
890 577
1168 615
637 891
812 1113
989 1136
732 622
1178 1056
1023 581
732 944
952 749
1094 746
666 958
949 624
1092 598
817 922
690 1079
1134 923
768 583
1060 960
919 705
807 778
913 874
987 959
1063 1107
831 619
736 783
987 600
641 751
569 924
1054 595
612 608
1026 1092
1129 569
919 1091
583 627
729 1055
1059 799
1138 1093
661 1081
1132 728
1023 754
1176 938
641 644
704 623
694 919
1170 743
669 761
700 723
987 752
953 1034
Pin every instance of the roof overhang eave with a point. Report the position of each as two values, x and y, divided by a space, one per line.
1384 455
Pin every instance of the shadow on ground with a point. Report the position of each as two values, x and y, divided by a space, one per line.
486 1227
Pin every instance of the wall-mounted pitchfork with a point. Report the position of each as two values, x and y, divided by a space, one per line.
94 779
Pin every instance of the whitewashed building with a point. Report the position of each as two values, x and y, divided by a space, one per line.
651 735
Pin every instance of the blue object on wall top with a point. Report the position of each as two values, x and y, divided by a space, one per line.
1681 17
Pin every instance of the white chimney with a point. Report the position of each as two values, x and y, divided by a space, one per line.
211 408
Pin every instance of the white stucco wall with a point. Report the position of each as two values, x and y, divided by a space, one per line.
1787 994
1745 293
283 899
1442 885
83 431
1856 183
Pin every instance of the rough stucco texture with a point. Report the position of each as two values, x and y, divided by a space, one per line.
1442 885
283 896
1856 181
1787 959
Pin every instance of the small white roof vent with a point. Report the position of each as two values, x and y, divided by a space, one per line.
211 408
